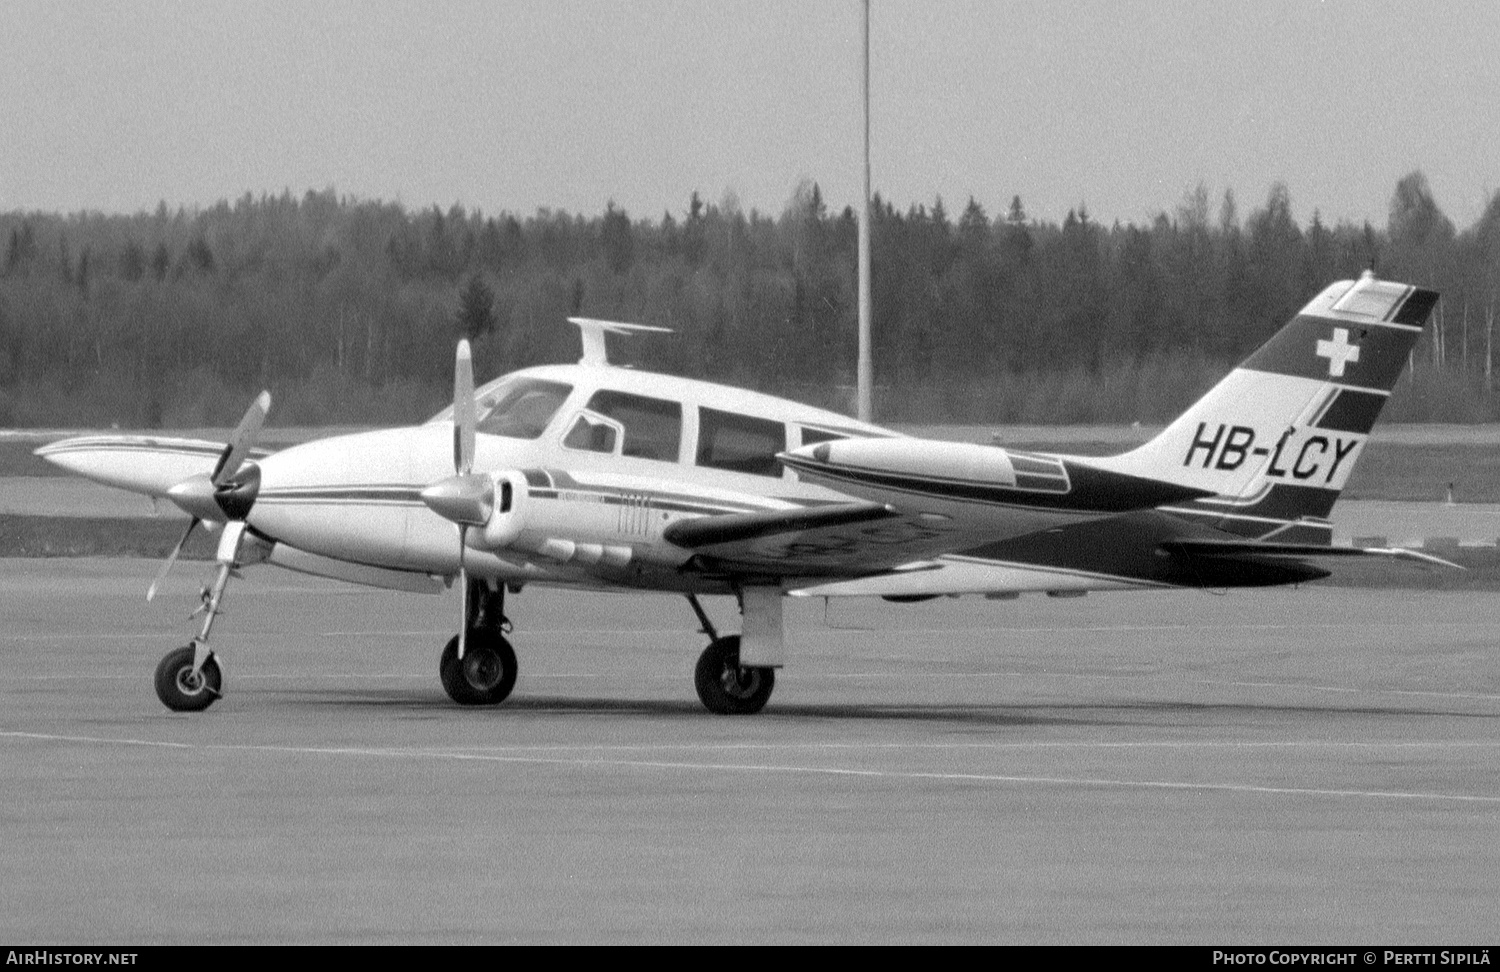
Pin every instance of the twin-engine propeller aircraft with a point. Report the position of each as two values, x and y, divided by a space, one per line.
595 476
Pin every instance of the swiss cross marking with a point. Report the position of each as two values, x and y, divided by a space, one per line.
1339 352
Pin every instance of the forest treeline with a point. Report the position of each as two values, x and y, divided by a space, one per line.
348 309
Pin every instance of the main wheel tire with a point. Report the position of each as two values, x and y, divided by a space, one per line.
487 672
725 686
180 689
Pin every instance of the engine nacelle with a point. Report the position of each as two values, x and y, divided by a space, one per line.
491 505
497 510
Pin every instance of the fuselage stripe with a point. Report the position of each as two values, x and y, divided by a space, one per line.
406 495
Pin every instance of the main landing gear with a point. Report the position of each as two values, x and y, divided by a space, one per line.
487 671
724 685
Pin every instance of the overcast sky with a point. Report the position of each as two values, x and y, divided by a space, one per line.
509 105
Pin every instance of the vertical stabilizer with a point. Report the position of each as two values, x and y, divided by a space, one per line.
1276 439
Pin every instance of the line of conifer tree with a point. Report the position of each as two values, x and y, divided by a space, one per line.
348 309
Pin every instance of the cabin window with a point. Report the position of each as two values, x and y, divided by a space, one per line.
739 443
524 408
652 426
593 433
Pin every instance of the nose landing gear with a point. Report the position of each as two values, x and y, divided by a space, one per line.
188 679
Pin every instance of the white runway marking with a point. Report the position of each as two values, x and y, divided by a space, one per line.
658 764
137 676
158 635
1076 744
151 636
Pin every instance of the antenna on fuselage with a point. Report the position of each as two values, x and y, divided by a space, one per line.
591 331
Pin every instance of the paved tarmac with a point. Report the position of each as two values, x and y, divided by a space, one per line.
1415 524
1302 766
73 496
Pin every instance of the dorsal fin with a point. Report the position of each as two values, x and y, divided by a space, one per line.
592 332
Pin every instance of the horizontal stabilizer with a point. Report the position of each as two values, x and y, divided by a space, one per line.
1234 549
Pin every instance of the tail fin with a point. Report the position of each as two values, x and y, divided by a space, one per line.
1277 438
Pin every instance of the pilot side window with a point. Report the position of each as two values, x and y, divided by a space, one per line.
653 426
524 408
739 443
593 433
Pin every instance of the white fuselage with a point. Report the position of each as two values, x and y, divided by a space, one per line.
589 511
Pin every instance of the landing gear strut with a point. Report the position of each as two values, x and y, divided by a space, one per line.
726 687
188 679
487 672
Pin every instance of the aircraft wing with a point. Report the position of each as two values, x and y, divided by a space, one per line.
147 464
918 500
1149 549
836 540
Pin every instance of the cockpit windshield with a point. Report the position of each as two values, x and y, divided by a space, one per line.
521 409
517 407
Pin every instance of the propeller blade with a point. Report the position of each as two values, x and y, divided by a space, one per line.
463 581
171 559
461 498
241 439
464 418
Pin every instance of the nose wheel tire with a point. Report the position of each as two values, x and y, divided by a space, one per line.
485 675
725 686
182 690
